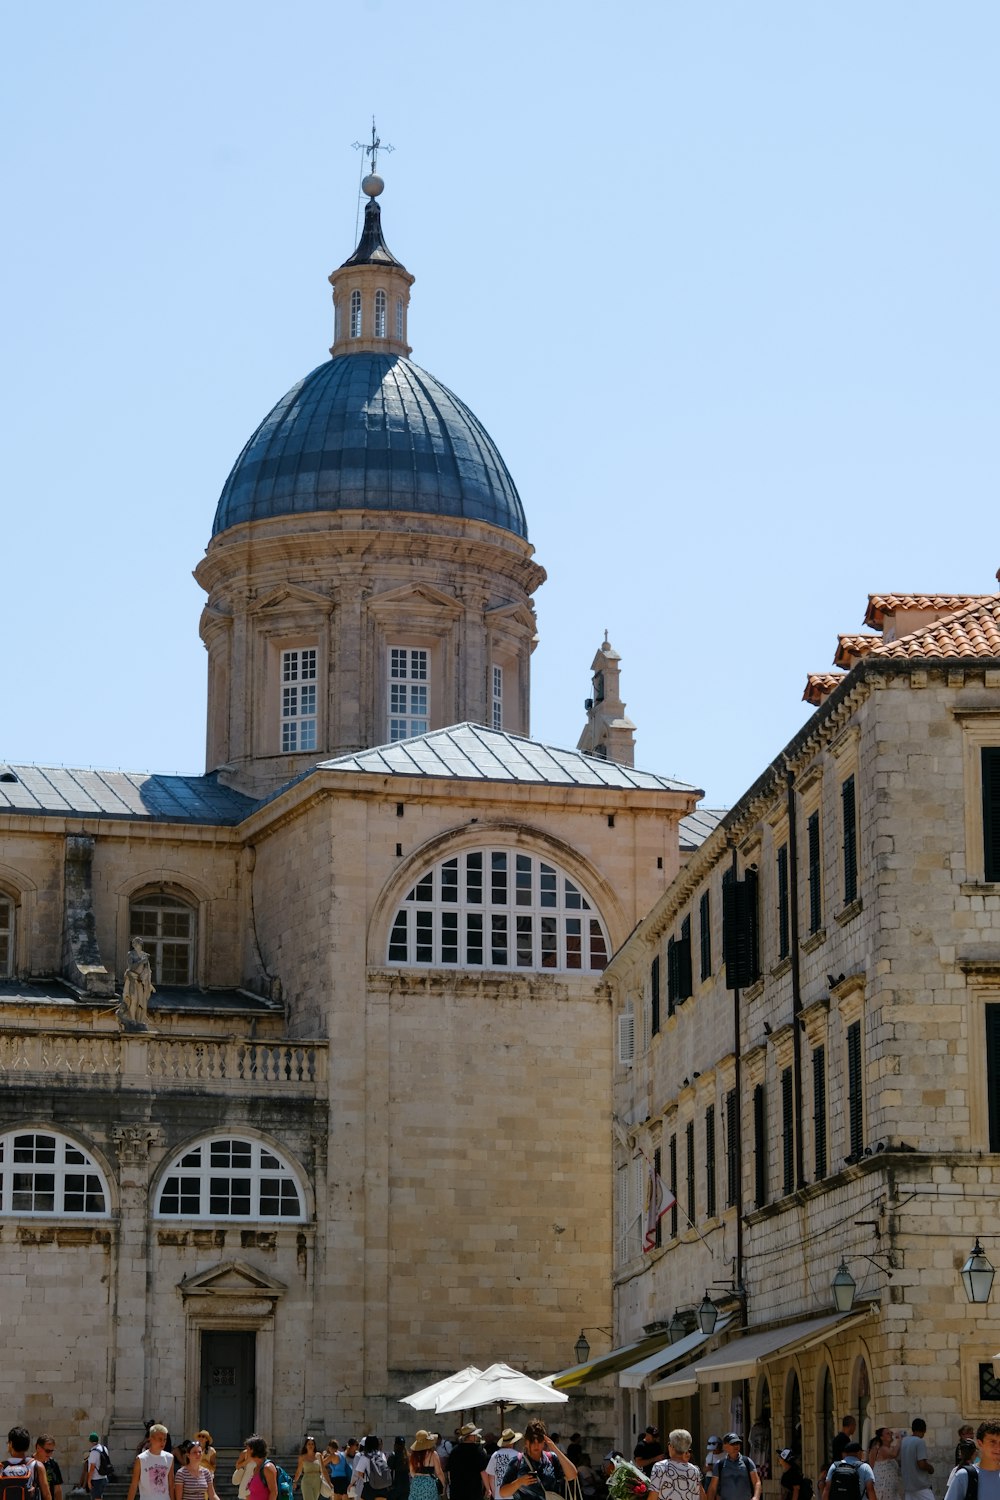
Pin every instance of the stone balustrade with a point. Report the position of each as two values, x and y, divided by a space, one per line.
164 1061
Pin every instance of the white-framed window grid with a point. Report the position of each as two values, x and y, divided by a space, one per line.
355 314
380 314
6 936
399 319
229 1178
298 700
409 691
498 909
167 927
497 697
43 1173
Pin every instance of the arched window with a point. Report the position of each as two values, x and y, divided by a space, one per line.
355 314
825 1415
399 319
166 925
793 1414
6 936
861 1400
229 1178
44 1173
380 316
498 909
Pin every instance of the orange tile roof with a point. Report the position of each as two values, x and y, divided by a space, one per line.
880 605
820 685
850 648
968 633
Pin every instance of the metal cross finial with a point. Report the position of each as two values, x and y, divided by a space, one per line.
372 148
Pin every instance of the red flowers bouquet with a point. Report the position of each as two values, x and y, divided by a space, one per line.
627 1482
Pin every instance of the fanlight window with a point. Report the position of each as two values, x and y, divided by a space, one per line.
6 936
498 909
166 926
229 1178
41 1173
380 315
355 315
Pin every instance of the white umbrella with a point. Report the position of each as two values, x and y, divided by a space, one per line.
499 1385
427 1398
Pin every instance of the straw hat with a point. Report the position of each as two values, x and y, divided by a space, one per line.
509 1436
423 1441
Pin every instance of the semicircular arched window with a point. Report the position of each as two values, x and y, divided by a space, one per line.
44 1173
228 1177
380 306
167 927
355 314
498 909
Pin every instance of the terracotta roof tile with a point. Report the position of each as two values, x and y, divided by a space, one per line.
880 605
851 648
970 632
820 685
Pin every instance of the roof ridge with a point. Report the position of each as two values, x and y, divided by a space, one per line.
988 603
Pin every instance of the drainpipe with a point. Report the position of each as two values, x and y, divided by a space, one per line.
738 1085
793 908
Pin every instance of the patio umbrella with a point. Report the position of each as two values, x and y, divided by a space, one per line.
427 1398
502 1386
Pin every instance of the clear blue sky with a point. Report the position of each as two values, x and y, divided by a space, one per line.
719 278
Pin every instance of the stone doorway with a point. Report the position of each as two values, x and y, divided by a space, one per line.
228 1385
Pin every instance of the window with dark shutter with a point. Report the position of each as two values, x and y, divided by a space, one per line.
732 1156
685 983
705 919
671 976
759 1146
993 1072
815 886
654 995
991 811
689 1162
787 1132
855 1098
848 807
740 931
673 1186
783 924
819 1112
658 1232
710 1161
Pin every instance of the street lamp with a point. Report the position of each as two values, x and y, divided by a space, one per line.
676 1327
977 1274
708 1315
582 1349
843 1288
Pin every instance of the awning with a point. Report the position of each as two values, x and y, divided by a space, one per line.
739 1359
609 1364
633 1377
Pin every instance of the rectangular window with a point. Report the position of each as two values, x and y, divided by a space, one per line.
740 930
787 1132
815 888
658 1169
705 921
689 1163
409 692
654 994
848 808
819 1112
497 707
679 978
626 1037
759 1146
298 700
855 1099
6 937
710 1188
673 1188
732 1151
991 812
783 922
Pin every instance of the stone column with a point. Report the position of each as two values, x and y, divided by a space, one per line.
128 1344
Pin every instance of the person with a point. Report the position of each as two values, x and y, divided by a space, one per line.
676 1477
574 1448
592 1486
45 1446
466 1466
370 1462
96 1482
966 1434
966 1453
308 1470
848 1427
153 1467
883 1453
863 1478
914 1465
426 1473
713 1456
540 1467
736 1477
338 1467
17 1463
648 1450
399 1468
191 1481
988 1475
498 1461
791 1474
263 1481
209 1457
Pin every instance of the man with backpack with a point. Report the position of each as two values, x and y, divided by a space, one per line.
849 1478
970 1482
99 1467
736 1476
21 1477
372 1475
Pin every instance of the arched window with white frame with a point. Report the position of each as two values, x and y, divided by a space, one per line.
399 319
355 314
380 315
6 935
167 925
230 1177
498 909
44 1173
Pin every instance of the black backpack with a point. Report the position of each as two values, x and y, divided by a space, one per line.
844 1481
105 1467
972 1481
806 1488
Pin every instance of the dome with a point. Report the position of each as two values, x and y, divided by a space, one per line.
370 432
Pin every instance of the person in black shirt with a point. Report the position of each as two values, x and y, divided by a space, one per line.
841 1439
648 1450
466 1466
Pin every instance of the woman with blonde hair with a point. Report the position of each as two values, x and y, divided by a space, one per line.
209 1457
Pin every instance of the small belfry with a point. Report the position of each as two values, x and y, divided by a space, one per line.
608 733
371 290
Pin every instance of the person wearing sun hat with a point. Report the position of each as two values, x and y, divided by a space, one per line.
504 1454
426 1473
467 1465
713 1456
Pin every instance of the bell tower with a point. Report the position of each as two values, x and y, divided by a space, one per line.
608 733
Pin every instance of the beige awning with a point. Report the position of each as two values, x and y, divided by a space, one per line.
739 1359
609 1364
633 1377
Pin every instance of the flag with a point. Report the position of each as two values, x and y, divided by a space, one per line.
659 1200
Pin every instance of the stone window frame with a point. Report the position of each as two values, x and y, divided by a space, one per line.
380 325
983 981
58 1170
284 1173
8 934
845 754
170 882
357 316
301 720
496 695
405 724
20 892
849 996
169 896
980 731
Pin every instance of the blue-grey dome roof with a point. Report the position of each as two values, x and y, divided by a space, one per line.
370 432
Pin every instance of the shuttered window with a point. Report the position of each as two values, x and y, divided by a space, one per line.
783 923
705 919
855 1098
759 1146
689 1162
993 1072
679 977
815 885
787 1132
710 1190
819 1112
732 1152
991 811
654 994
673 1189
741 930
848 807
658 1171
626 1037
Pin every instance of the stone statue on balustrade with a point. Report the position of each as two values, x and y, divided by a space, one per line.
137 987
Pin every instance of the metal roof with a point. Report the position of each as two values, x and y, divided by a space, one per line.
120 794
472 752
695 828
